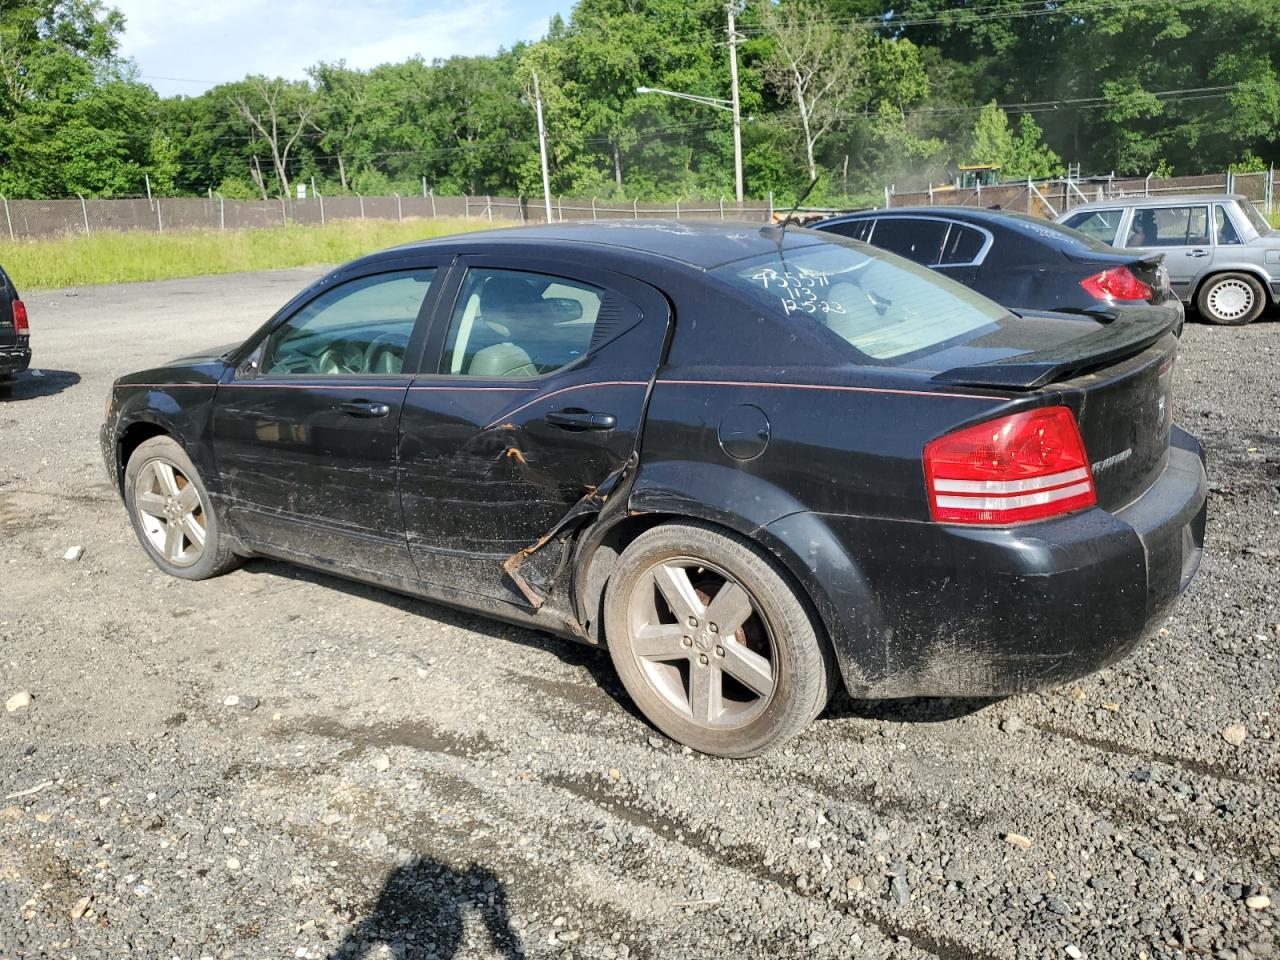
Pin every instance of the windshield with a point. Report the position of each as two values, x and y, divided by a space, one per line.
885 307
1256 220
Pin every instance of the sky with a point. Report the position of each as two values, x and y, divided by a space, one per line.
185 47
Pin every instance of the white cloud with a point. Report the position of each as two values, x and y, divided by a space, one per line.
226 39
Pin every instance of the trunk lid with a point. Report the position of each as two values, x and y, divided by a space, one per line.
1125 413
1118 381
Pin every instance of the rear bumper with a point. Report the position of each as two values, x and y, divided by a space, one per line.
983 612
14 358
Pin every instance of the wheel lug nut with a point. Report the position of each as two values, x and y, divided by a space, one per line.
713 627
702 659
719 651
693 622
687 641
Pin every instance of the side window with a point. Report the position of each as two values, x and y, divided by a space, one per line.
1224 229
1170 227
509 323
360 327
963 245
1099 225
918 240
855 230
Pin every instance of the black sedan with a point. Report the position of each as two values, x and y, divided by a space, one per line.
1020 261
15 332
753 463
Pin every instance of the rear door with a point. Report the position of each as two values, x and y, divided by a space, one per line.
1182 233
533 401
305 433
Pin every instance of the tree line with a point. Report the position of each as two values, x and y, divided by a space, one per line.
854 92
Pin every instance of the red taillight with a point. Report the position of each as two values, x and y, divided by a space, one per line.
1116 284
20 324
1027 466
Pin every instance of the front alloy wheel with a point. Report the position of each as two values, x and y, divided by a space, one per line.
170 512
712 642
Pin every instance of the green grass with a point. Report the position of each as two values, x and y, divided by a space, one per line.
1274 219
112 257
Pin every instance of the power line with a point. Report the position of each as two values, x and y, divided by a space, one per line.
962 18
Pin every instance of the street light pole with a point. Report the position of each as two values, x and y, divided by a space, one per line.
731 106
542 144
737 112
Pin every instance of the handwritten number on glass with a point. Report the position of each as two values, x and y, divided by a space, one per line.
799 292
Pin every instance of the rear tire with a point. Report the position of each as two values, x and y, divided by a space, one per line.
712 643
1231 299
172 513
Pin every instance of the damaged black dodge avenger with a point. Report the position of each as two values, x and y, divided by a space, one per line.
754 463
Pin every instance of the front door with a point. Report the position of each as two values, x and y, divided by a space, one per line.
1181 233
536 399
305 434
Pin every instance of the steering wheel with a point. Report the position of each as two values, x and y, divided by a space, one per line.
385 354
340 358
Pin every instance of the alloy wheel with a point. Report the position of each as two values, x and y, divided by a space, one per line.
171 512
1230 299
701 642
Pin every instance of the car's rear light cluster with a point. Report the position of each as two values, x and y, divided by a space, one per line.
1027 466
1118 283
20 324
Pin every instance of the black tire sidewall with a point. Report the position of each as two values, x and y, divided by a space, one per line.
1260 299
213 559
798 648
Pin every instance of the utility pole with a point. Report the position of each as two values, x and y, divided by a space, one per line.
542 144
737 112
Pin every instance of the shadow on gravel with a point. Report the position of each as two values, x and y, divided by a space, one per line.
910 709
421 910
37 382
592 659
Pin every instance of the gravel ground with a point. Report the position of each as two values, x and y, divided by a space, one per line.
397 779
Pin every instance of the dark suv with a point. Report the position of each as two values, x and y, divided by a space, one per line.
15 335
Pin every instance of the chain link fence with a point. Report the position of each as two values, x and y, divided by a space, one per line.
29 219
1051 198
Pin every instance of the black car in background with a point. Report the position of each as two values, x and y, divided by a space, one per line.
1020 261
15 332
752 462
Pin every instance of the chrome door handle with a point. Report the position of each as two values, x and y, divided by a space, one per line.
1198 253
364 409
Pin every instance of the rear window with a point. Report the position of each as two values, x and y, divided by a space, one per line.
1099 225
1256 220
963 246
887 308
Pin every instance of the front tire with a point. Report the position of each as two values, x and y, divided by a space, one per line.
1231 299
713 643
172 513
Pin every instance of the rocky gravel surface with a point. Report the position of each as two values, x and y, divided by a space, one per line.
279 764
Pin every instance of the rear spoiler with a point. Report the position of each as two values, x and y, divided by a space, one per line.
1119 256
1130 334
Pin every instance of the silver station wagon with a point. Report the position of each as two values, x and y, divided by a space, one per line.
1221 253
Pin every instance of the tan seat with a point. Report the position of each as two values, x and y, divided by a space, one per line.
502 360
